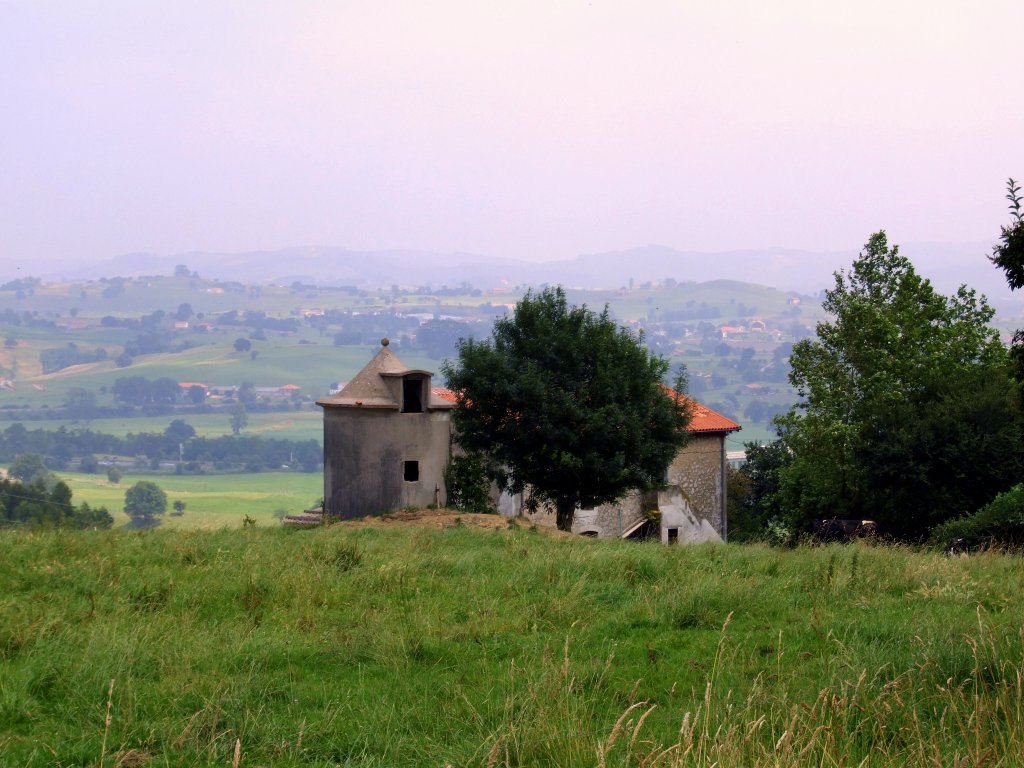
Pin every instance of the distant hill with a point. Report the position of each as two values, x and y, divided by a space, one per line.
946 264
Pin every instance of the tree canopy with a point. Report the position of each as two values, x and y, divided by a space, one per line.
179 430
145 500
1008 255
907 414
36 505
567 404
30 469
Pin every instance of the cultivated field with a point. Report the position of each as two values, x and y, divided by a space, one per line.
288 425
410 646
212 501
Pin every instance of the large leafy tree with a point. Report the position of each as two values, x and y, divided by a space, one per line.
566 403
145 500
1008 255
29 468
907 414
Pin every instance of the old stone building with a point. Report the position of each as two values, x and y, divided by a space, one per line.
388 439
690 507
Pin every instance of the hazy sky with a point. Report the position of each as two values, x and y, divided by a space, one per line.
522 129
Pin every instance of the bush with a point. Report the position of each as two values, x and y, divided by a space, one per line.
999 523
468 486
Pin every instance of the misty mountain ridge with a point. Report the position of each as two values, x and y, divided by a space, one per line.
947 265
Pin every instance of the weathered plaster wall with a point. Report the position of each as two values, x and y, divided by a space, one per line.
677 516
364 455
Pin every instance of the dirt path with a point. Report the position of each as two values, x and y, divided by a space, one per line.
445 518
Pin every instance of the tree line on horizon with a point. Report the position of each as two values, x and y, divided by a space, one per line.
177 443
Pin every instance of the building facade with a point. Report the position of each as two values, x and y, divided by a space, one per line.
689 508
388 440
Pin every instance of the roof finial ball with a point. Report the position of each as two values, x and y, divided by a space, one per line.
384 342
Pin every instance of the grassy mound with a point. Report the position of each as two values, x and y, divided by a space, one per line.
387 646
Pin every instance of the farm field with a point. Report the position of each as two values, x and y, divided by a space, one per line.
213 501
410 646
314 368
291 425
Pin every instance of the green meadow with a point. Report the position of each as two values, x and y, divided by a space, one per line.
212 501
290 425
345 646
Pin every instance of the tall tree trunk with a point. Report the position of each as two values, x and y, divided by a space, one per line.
565 510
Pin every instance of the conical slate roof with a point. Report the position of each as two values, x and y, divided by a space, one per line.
369 389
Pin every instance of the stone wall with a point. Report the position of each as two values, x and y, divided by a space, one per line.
697 475
691 503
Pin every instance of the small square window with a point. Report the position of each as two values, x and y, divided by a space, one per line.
412 471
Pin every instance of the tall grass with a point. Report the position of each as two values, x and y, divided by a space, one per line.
377 647
911 718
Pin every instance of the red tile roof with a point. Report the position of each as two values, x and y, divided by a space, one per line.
704 419
445 394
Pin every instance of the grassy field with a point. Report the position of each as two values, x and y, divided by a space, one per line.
347 646
213 501
291 425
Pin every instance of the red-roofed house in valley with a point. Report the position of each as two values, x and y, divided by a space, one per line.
388 440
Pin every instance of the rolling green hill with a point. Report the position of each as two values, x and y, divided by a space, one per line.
679 319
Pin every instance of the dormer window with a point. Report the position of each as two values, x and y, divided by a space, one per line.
412 395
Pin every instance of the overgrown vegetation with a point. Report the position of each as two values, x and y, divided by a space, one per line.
35 505
402 647
468 486
997 524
